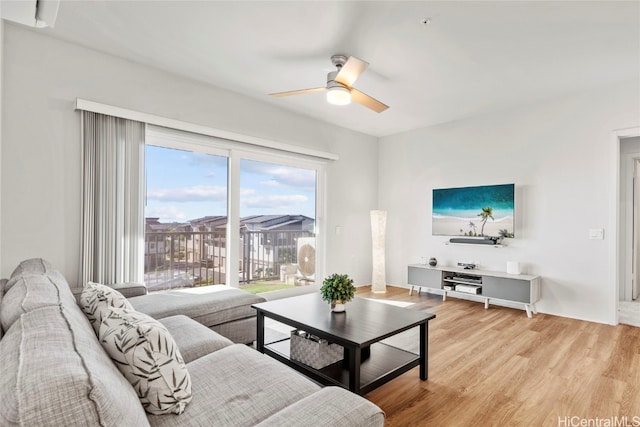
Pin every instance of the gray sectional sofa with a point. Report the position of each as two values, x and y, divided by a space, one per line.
55 372
224 310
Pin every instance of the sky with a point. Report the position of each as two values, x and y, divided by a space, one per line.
183 185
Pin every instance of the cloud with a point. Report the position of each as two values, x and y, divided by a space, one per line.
196 193
275 201
209 160
270 183
214 165
302 178
165 213
282 175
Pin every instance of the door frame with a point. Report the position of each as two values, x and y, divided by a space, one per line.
234 151
635 209
627 217
615 263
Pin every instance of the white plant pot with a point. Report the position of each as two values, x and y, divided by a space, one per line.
337 306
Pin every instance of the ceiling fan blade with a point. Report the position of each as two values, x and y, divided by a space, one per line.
351 70
367 101
299 92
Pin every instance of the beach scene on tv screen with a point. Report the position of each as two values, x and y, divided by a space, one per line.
474 211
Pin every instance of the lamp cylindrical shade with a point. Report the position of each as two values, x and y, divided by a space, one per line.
378 230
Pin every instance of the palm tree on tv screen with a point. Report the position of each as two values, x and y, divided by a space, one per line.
487 212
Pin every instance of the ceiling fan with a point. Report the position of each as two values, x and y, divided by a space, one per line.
339 84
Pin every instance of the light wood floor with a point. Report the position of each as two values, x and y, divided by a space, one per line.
497 367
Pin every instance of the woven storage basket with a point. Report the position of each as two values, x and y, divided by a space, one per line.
316 354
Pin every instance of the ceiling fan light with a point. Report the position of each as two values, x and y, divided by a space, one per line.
338 96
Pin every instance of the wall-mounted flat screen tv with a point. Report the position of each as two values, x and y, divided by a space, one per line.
486 210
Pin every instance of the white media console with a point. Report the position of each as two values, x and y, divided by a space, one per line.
485 285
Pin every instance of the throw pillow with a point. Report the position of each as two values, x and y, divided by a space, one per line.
96 299
149 358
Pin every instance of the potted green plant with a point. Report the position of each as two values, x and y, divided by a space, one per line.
337 290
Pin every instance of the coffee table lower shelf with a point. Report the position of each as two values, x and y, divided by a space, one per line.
384 363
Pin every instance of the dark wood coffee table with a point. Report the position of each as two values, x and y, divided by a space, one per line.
368 363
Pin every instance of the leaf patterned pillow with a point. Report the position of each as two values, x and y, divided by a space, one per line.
148 357
96 299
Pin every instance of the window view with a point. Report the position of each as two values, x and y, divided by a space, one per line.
277 226
186 219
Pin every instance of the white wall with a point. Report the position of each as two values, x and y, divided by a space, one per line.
557 153
41 145
350 210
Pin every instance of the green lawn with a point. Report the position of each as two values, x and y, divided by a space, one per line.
256 288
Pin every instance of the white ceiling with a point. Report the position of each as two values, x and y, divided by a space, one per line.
473 58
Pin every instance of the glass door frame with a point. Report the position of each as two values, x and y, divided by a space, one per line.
234 207
234 152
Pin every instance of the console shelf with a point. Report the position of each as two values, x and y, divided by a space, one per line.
484 285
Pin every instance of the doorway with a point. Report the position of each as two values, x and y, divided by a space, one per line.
629 249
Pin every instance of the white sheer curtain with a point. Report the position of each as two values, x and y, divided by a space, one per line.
112 200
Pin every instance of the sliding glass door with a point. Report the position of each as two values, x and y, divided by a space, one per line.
185 218
277 225
217 214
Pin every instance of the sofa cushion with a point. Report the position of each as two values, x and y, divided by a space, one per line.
242 331
33 266
130 289
30 292
329 407
96 299
149 358
193 339
55 373
238 386
209 305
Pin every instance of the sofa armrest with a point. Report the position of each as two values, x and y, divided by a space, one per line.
129 290
332 407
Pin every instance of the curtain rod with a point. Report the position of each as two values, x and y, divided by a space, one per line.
96 107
